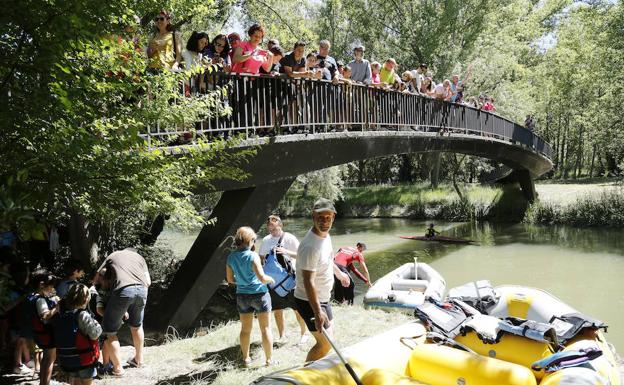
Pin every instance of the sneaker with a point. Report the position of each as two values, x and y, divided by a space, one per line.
304 338
22 369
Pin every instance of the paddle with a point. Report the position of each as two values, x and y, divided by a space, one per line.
344 362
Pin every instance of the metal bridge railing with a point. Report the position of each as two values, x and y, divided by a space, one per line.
276 105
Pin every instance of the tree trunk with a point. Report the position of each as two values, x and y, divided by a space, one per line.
83 240
361 166
593 157
435 170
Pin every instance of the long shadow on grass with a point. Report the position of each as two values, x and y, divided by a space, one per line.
230 355
205 377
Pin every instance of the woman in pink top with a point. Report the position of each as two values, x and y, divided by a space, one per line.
248 58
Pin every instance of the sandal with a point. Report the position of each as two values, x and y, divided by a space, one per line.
133 364
117 374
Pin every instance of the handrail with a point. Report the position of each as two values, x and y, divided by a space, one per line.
276 105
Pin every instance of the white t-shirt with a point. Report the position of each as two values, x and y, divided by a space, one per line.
315 254
289 242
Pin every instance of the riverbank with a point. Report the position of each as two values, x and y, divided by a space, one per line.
213 355
598 202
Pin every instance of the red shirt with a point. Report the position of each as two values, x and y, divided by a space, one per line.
346 256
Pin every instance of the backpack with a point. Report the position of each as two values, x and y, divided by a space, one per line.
281 271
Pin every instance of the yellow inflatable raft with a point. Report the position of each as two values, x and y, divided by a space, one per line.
404 356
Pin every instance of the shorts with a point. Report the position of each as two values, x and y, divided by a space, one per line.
305 311
250 303
129 299
280 303
90 372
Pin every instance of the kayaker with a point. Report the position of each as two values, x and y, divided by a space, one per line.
345 260
431 232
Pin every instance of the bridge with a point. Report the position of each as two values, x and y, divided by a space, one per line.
336 124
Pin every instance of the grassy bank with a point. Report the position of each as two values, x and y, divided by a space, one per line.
418 201
602 210
213 356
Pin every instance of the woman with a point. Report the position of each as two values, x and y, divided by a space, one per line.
218 52
165 48
408 79
194 47
248 58
252 295
427 87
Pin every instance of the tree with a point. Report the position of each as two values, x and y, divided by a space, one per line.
75 100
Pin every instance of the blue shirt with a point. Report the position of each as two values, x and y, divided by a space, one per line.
63 288
241 262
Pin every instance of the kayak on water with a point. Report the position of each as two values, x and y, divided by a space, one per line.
437 238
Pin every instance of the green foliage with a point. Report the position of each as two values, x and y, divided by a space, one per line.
75 98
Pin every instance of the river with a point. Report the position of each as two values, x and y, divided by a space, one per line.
583 267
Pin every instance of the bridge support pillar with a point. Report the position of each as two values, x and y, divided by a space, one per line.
203 269
525 180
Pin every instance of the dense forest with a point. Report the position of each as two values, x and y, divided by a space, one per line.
69 145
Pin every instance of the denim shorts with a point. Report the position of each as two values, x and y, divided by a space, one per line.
129 299
89 372
249 303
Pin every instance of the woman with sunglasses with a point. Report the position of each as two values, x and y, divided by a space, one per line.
244 269
165 48
218 52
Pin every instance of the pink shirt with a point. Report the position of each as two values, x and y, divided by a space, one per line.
253 64
376 79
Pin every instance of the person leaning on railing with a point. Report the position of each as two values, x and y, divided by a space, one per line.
165 47
294 64
193 56
218 53
248 57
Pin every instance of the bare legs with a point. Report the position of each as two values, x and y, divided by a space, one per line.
321 348
265 329
279 321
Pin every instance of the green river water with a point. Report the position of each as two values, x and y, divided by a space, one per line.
583 267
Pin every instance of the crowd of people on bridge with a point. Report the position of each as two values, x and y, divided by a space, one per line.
232 53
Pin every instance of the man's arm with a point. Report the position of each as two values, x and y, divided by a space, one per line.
344 278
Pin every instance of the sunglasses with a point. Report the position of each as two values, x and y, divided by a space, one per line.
160 18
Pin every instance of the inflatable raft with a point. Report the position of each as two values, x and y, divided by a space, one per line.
528 355
403 289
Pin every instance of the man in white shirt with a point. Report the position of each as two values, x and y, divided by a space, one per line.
315 277
285 245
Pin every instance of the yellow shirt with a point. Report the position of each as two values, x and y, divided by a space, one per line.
387 76
163 52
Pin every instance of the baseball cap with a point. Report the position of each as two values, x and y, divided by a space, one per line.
323 204
359 48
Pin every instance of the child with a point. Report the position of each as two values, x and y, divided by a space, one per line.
74 272
43 306
252 296
19 322
375 70
102 282
76 335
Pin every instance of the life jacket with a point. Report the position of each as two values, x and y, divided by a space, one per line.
478 294
74 349
570 325
445 318
43 334
284 279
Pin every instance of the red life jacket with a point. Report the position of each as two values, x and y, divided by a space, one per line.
74 349
42 332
